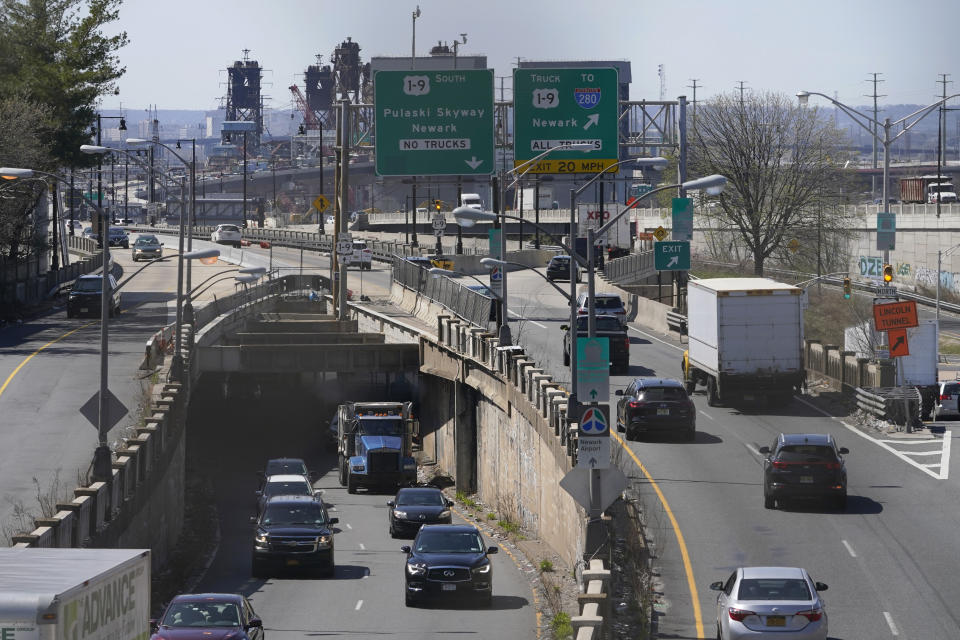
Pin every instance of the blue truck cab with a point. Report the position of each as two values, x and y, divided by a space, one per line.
375 444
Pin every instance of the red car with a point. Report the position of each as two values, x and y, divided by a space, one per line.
208 616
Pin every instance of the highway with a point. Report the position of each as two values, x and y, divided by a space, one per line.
883 558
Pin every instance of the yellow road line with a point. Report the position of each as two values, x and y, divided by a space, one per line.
688 569
29 357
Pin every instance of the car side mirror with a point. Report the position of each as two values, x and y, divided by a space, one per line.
449 502
334 520
564 327
819 586
618 392
153 623
764 450
391 503
255 622
405 548
844 451
253 519
492 550
716 586
621 428
259 494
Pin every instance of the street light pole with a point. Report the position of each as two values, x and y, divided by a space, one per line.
887 140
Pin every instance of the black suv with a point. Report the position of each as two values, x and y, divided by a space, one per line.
804 465
656 404
84 297
293 532
606 327
559 269
416 506
448 559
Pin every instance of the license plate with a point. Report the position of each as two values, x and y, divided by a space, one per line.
748 397
292 562
776 621
663 412
84 310
447 586
806 479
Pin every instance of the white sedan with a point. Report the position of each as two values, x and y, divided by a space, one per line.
226 234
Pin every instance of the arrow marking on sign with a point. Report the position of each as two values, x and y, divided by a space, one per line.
897 343
473 163
593 462
674 260
592 120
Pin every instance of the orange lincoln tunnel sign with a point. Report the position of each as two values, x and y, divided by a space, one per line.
895 315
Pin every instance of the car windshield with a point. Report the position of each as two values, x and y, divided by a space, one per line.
277 467
560 262
202 614
806 453
117 231
604 323
87 284
951 388
608 303
229 227
285 488
773 589
381 426
653 394
306 513
148 240
420 499
449 542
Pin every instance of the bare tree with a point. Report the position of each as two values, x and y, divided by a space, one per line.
780 161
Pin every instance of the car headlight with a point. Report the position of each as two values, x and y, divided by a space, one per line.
416 568
444 514
399 514
323 541
482 569
261 541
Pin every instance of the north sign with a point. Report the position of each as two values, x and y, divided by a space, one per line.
553 107
434 122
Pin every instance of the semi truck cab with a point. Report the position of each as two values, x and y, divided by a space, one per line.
375 444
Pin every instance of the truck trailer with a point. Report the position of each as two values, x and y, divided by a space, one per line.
74 594
375 444
746 340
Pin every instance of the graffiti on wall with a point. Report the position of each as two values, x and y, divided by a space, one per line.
872 267
948 280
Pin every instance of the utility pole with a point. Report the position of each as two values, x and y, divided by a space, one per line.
873 177
694 87
741 89
941 137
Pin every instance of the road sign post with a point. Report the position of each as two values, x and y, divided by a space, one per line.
434 122
559 106
671 255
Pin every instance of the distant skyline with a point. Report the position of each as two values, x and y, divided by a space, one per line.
179 51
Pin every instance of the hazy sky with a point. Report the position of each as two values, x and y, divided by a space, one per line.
179 49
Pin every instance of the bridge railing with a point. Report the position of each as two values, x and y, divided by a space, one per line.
631 268
468 304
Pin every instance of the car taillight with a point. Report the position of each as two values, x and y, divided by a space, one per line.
812 615
833 466
777 464
637 405
739 614
626 341
945 396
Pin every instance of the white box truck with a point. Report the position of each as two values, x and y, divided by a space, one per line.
74 594
471 200
746 340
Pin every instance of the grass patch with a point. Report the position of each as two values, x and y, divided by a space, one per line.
560 626
509 527
546 565
491 516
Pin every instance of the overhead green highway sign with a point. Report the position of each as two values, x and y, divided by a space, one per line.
434 122
556 106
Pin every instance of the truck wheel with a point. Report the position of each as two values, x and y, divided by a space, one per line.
343 473
713 394
769 502
351 484
690 385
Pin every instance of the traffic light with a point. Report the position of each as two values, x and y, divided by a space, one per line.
846 288
436 204
888 273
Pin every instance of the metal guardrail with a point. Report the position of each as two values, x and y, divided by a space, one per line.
468 304
887 403
677 321
635 266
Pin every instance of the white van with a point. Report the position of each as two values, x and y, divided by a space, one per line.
471 200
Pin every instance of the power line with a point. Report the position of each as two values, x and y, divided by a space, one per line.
742 89
873 125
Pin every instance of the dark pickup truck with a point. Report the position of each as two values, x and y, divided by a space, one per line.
607 327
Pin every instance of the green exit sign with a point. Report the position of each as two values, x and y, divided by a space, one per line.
671 255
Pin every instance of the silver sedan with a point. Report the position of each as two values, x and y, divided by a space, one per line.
770 602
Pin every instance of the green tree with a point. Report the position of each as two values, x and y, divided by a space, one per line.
56 52
782 163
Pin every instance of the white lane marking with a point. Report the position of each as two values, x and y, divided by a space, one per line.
705 414
945 460
932 465
849 549
360 604
926 441
921 453
941 476
362 548
348 526
752 450
517 315
893 627
653 337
